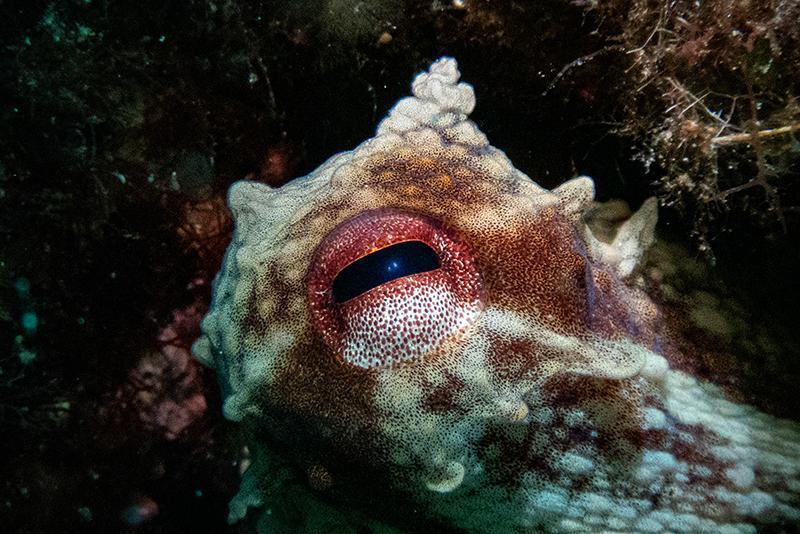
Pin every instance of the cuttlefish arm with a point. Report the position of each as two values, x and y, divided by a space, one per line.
432 338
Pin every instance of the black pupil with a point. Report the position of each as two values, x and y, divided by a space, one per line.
384 265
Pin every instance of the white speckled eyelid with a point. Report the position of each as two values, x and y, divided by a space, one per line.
548 405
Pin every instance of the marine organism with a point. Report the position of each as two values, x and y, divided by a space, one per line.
436 340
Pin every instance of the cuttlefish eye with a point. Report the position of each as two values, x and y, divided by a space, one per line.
390 286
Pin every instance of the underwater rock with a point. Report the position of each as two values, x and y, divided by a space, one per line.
434 339
164 392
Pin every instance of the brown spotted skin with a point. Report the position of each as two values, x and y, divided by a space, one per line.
521 386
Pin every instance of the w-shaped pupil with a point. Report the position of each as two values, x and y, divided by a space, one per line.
382 266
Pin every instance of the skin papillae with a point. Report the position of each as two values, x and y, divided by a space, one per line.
524 386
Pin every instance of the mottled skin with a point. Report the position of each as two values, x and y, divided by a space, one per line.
530 393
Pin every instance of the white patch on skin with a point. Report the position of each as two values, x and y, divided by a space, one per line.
741 475
451 478
575 464
655 367
543 416
654 419
749 432
656 464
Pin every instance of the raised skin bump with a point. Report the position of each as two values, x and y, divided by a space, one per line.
524 386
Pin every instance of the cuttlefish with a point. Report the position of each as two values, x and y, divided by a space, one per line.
418 337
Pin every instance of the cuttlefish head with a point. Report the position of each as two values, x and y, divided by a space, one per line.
419 315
